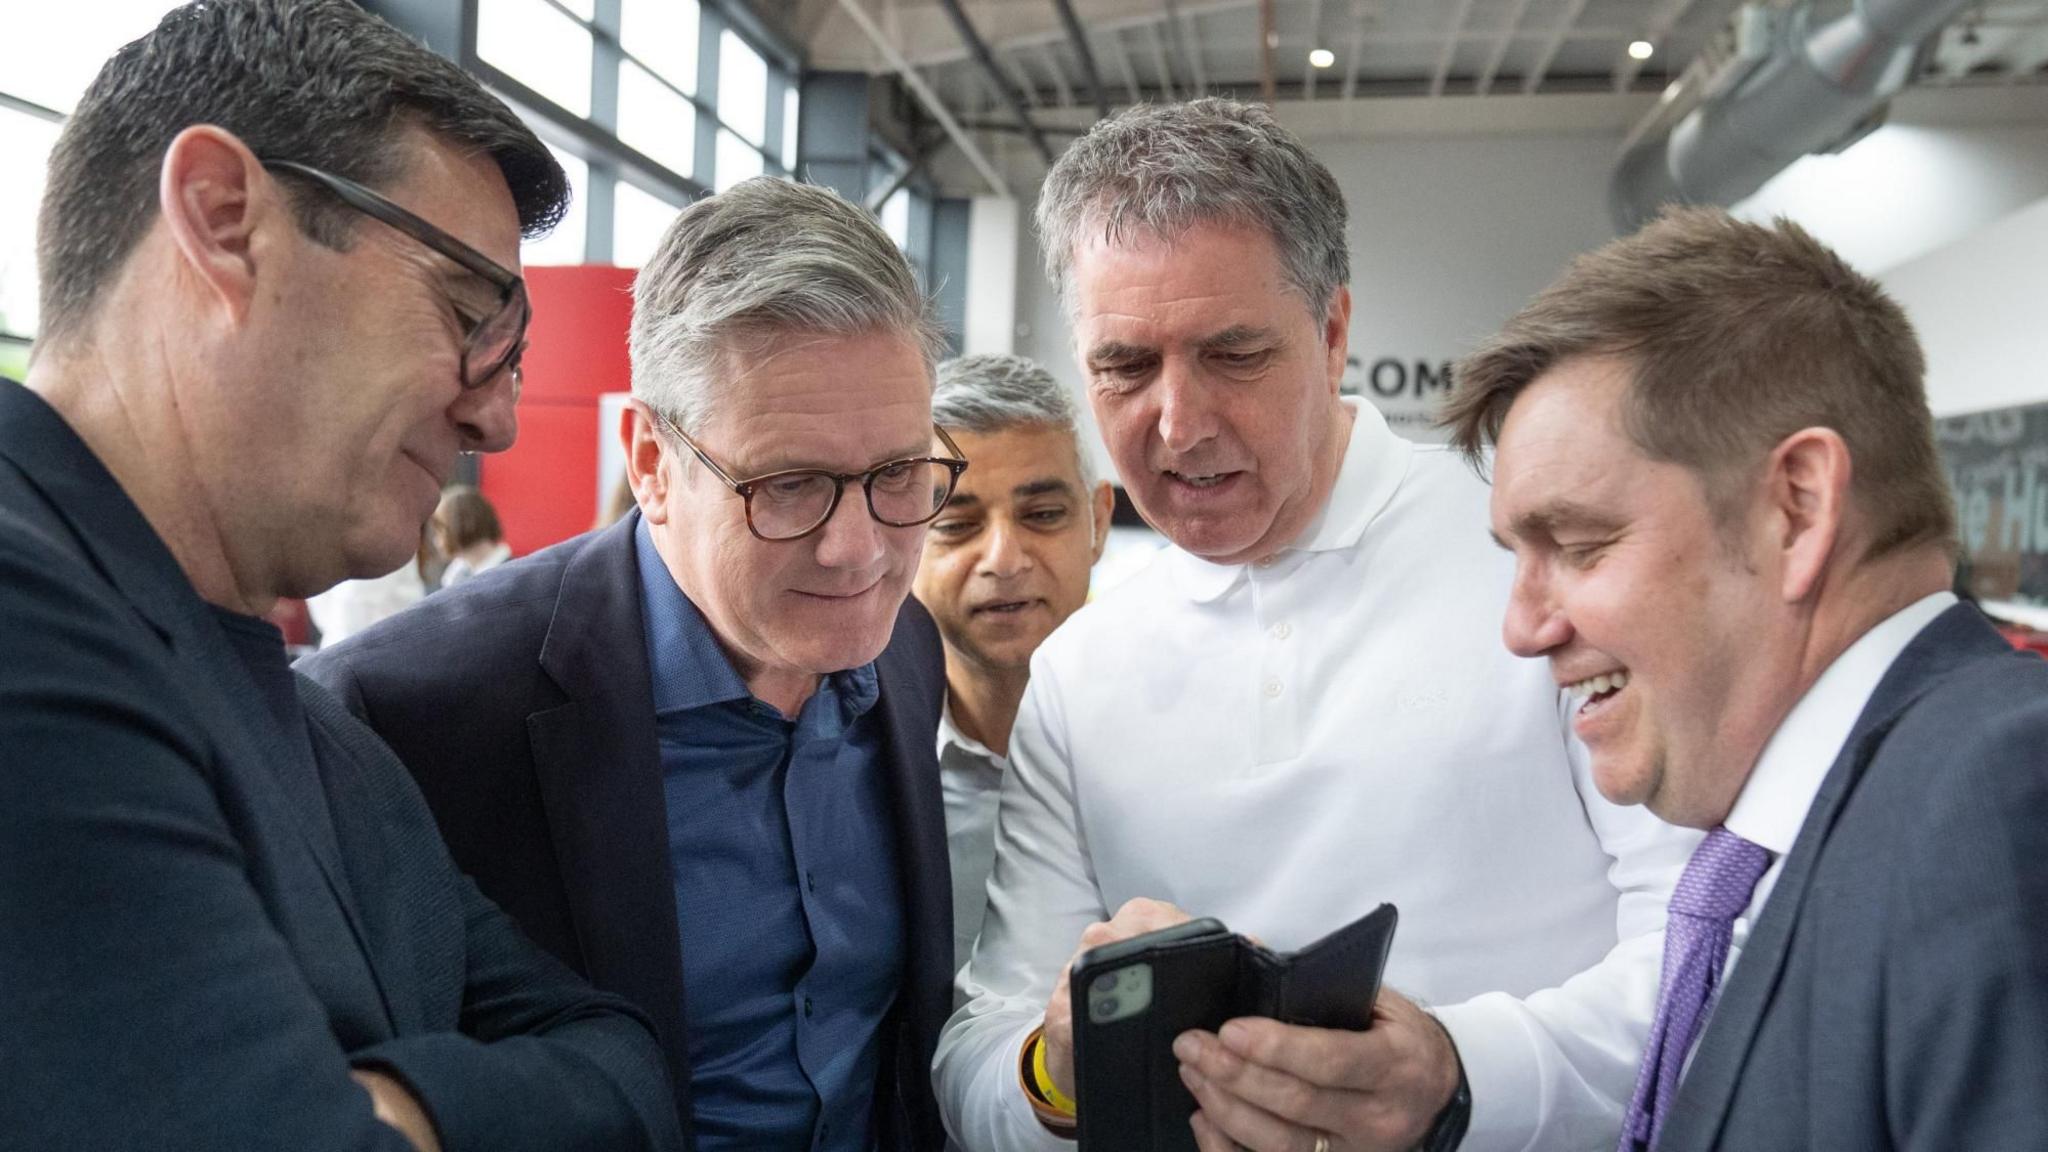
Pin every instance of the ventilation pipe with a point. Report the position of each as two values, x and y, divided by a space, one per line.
1787 89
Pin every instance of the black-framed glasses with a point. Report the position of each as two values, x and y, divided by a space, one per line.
796 502
490 343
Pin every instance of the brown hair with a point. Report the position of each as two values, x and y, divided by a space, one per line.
1739 335
465 518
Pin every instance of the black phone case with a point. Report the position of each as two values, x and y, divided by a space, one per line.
1128 1088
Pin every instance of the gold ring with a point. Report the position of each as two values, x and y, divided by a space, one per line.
1322 1142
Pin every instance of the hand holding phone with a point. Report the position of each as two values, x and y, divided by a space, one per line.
1132 998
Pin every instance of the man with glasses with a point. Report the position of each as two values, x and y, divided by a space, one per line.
226 918
693 753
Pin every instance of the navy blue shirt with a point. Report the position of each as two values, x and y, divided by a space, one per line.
782 853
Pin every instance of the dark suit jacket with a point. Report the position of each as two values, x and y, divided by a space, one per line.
1894 992
191 957
521 700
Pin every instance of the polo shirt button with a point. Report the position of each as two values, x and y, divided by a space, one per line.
1282 630
807 1007
811 881
1273 689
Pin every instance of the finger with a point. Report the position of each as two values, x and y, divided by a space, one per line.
1335 1058
1151 914
1248 1125
1208 1137
1289 1097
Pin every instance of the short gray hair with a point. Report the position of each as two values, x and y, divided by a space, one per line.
1158 170
990 393
767 258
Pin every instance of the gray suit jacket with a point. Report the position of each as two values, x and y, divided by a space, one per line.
1894 992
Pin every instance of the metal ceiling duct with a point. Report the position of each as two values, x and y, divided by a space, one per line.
1786 89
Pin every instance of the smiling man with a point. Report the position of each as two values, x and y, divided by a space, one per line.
1006 562
278 262
1733 541
1301 710
692 752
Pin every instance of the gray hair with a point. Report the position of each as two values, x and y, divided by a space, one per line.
763 260
1158 170
987 393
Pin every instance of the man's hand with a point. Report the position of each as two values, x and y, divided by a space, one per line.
1135 918
397 1107
1272 1087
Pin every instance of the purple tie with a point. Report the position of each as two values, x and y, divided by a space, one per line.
1712 892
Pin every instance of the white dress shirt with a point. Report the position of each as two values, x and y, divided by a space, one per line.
971 779
1284 746
1772 806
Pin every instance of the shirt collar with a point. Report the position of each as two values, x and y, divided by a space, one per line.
950 736
1375 462
1773 803
687 667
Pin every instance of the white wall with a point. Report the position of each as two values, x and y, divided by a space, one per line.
1979 305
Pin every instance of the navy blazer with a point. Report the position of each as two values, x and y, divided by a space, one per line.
187 960
1894 991
522 702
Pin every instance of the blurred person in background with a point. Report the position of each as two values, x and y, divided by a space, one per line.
1005 563
279 252
467 534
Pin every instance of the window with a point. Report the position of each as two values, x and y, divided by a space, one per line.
789 122
565 244
896 217
540 46
662 34
737 161
639 220
656 122
742 90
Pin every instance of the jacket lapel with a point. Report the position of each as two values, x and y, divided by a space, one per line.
600 780
1701 1106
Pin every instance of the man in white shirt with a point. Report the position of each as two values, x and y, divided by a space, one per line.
1005 563
1302 710
1733 542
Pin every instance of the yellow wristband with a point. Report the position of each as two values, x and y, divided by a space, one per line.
1060 1101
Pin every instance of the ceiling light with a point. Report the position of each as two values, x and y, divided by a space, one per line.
1641 50
1322 58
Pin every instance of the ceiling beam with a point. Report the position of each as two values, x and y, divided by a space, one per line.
1267 35
1187 47
1508 33
933 104
979 48
1089 72
1158 45
1123 62
1450 52
1655 29
1315 41
1558 33
1059 75
1358 20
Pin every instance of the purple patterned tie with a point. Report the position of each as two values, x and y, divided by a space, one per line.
1711 893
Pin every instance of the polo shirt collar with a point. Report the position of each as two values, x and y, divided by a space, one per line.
1375 462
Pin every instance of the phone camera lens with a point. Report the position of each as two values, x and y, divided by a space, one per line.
1105 1008
1106 983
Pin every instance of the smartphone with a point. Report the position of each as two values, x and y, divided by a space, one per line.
1130 999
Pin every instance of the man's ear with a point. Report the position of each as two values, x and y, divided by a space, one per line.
644 452
213 195
1103 500
1337 336
1806 493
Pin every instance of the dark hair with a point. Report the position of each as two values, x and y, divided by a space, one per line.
1738 335
317 81
465 518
